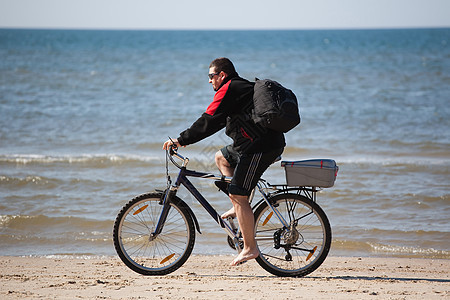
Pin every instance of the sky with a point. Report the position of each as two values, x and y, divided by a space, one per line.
225 14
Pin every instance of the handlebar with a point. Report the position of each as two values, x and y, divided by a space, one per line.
173 152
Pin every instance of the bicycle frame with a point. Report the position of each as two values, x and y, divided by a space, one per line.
183 180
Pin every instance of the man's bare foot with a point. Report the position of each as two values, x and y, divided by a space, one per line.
229 213
243 257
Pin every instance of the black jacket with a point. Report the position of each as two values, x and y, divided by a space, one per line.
231 108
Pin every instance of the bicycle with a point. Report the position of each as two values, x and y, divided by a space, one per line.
154 233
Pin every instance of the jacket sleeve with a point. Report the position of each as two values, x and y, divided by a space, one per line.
205 126
211 121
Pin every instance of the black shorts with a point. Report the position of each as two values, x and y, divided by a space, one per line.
248 168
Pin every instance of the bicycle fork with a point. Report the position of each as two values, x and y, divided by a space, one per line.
168 195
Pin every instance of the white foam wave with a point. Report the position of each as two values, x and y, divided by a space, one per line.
393 161
73 158
394 249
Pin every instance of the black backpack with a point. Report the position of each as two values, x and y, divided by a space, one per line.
276 107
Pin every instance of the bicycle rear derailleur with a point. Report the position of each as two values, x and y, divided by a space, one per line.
290 237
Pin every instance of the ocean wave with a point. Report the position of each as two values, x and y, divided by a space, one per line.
409 251
20 182
414 234
380 158
74 159
390 161
200 156
368 248
42 235
60 224
200 160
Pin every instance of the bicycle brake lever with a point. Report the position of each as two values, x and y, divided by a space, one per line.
173 150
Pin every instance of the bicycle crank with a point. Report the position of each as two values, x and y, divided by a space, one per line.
233 242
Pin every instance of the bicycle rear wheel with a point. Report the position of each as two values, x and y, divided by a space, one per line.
298 250
139 250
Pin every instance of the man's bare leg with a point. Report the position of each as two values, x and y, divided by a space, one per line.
223 164
226 170
246 222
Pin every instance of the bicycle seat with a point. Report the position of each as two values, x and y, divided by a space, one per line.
222 185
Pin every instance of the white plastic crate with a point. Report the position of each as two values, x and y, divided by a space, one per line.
314 172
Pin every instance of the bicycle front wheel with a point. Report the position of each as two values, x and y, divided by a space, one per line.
298 250
146 254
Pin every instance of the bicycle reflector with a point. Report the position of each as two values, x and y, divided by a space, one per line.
268 218
311 253
140 210
167 258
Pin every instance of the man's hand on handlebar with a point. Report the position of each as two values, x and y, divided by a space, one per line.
172 142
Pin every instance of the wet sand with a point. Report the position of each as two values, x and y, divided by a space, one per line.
210 277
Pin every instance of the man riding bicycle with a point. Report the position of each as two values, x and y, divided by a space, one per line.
253 150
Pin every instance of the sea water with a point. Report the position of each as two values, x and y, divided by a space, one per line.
83 115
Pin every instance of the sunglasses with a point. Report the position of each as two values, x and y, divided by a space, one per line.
210 76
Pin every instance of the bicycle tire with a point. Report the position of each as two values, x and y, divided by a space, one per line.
314 236
132 235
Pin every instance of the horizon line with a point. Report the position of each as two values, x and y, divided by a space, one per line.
219 29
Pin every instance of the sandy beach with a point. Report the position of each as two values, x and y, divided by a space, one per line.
209 277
